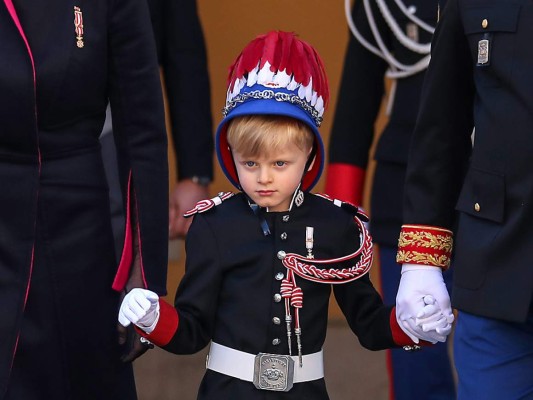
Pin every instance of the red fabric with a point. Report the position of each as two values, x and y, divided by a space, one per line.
399 336
123 271
284 51
311 176
425 245
14 16
345 182
166 326
227 157
145 284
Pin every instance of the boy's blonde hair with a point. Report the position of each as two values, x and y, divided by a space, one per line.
255 135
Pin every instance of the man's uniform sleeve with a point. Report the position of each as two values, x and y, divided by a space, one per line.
441 146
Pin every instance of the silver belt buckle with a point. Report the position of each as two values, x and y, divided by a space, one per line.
273 372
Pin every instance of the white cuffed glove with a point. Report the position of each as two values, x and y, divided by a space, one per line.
140 307
422 295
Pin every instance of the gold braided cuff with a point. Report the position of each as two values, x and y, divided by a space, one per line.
425 245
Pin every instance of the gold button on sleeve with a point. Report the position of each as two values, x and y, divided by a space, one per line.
477 207
485 23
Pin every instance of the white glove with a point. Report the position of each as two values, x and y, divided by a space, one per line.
432 321
140 307
417 282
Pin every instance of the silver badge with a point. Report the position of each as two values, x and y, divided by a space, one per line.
483 52
273 372
299 199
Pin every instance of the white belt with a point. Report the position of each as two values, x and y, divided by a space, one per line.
241 365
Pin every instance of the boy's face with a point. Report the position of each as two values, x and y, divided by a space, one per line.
270 180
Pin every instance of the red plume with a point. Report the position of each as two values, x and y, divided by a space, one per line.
283 51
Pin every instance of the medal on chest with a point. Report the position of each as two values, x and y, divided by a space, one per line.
78 26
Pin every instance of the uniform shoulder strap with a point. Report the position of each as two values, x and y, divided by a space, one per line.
207 204
346 205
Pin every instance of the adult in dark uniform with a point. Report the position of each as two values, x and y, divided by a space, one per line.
182 56
60 62
379 48
261 264
183 60
480 192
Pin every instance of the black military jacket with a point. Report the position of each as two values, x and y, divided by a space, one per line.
479 76
361 94
232 277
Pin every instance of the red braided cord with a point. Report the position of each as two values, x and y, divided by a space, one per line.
293 294
286 288
297 297
225 195
201 206
206 204
294 262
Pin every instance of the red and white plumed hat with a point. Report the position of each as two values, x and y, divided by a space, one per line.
276 74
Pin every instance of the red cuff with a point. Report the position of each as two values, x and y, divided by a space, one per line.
345 182
425 245
399 336
123 271
166 326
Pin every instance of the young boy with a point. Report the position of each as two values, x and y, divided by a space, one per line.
253 256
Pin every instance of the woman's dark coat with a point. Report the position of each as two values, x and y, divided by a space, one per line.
57 267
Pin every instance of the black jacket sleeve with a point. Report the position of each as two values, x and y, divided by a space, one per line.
139 130
362 306
197 295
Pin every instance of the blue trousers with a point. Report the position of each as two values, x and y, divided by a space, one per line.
425 374
494 359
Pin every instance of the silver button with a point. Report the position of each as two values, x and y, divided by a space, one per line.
276 341
277 297
276 321
279 276
285 218
281 254
283 236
